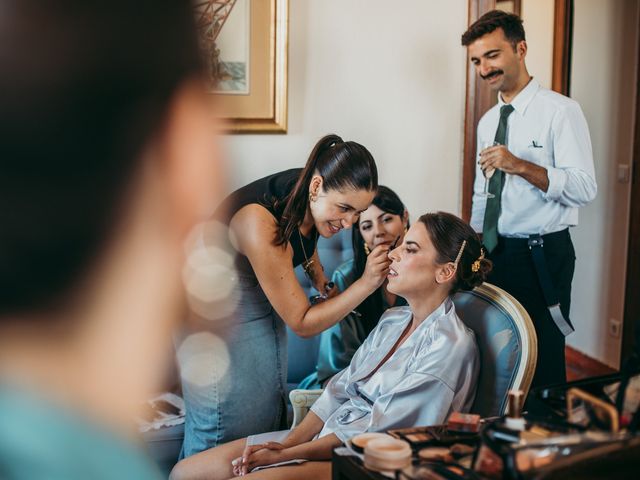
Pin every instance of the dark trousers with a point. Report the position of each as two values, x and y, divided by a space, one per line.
513 271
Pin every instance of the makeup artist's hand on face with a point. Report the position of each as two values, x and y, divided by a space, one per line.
377 267
257 456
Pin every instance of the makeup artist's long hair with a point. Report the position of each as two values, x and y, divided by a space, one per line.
371 308
342 165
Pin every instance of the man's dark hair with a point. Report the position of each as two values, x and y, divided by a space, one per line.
84 88
510 24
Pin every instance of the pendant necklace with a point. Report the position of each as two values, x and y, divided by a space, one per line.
308 262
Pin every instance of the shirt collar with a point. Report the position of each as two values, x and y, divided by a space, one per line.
523 98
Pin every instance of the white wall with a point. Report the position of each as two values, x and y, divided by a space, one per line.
603 81
537 16
390 75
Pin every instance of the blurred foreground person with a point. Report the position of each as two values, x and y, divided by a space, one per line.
106 162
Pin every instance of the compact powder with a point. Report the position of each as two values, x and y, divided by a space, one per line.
359 442
387 454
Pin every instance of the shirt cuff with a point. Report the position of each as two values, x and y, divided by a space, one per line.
476 222
557 181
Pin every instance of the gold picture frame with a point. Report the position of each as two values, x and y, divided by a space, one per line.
260 104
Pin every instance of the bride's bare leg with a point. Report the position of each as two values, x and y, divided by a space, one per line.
212 464
307 470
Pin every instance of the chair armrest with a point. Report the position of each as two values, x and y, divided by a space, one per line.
301 401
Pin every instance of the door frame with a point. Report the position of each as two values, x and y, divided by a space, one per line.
631 319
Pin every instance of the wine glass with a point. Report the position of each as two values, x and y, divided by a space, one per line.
488 173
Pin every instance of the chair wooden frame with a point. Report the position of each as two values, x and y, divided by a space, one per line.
301 401
528 338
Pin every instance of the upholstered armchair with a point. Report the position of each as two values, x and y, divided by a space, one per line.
507 342
301 401
508 350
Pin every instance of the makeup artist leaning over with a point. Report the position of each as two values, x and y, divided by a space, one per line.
274 224
543 172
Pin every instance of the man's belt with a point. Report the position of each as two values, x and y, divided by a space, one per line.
536 244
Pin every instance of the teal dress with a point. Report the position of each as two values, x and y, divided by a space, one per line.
39 439
339 343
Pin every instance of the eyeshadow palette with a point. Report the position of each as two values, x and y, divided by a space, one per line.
433 436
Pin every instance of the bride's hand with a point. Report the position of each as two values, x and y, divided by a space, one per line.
236 463
258 456
377 267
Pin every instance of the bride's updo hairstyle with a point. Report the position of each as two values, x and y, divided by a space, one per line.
455 241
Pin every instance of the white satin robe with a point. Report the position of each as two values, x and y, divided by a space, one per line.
433 373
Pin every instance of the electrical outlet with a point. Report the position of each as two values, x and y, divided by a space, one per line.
614 327
623 173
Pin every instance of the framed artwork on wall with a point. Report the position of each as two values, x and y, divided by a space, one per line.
245 43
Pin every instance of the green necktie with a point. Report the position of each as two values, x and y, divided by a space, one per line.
492 212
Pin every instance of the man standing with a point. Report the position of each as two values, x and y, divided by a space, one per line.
535 151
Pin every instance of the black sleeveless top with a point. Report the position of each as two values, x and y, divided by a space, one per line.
270 192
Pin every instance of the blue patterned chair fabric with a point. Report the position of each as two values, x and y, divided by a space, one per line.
507 343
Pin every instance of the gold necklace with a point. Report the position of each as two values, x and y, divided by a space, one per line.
306 265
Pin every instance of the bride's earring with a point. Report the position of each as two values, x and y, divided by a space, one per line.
366 249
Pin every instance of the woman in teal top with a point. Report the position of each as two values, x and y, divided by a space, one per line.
383 223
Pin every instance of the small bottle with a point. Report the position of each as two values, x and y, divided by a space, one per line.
514 419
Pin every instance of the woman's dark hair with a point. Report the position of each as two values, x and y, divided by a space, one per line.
447 233
341 165
510 24
84 88
371 308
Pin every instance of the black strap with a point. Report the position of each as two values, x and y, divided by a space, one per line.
536 243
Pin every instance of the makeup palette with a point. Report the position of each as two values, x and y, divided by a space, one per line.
359 442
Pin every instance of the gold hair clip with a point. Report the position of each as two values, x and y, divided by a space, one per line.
475 266
464 243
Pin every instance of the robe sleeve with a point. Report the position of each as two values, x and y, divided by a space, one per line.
335 393
419 399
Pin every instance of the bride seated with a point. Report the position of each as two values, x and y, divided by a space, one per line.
416 367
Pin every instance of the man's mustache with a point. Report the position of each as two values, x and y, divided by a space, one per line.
491 75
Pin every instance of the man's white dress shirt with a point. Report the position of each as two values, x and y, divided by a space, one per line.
550 130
